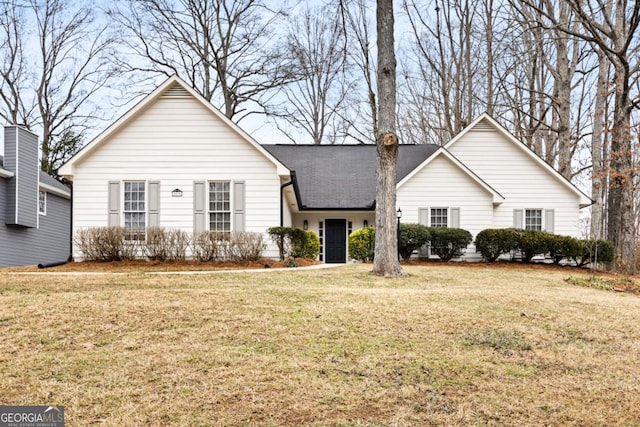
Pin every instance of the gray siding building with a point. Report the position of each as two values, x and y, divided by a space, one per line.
35 209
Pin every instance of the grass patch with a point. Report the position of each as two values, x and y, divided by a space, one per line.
591 282
497 340
448 345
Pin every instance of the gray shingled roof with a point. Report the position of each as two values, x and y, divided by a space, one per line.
342 176
49 180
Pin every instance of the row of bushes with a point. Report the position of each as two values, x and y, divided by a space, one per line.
162 244
449 243
115 244
495 242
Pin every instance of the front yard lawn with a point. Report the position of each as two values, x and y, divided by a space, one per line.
449 345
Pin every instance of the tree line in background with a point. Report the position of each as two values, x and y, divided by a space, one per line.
562 76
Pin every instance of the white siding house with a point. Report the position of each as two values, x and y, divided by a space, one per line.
175 161
530 186
164 163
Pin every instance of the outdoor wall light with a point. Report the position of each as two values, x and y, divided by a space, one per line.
305 224
176 193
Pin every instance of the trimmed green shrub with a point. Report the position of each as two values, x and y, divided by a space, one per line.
564 247
596 251
412 237
362 244
306 246
532 243
295 242
493 242
449 243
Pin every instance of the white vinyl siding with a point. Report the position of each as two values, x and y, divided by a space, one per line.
524 183
181 142
468 203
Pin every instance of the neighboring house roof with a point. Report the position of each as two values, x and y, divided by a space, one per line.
342 176
47 182
170 84
52 185
3 172
487 120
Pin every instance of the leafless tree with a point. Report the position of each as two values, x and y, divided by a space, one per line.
445 86
362 118
386 249
225 49
52 91
612 26
318 96
17 106
74 67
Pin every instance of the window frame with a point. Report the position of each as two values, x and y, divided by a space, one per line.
42 203
527 220
132 234
227 217
446 217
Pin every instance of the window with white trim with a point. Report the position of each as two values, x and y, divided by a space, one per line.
438 217
533 219
220 206
42 203
134 210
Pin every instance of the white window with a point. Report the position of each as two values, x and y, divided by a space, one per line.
219 206
134 210
42 203
439 217
533 219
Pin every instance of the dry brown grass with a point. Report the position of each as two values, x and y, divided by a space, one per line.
449 345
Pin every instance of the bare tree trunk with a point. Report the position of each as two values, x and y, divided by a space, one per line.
599 170
386 253
489 37
563 74
620 227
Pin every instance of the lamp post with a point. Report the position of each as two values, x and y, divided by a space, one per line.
398 215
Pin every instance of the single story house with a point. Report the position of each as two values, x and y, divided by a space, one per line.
175 161
34 207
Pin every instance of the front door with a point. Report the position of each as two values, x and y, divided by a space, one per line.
335 248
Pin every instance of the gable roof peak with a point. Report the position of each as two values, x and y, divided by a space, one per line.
172 88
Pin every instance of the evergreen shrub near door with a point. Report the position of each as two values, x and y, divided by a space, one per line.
295 242
362 244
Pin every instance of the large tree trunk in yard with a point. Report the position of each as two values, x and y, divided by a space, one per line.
386 253
620 224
